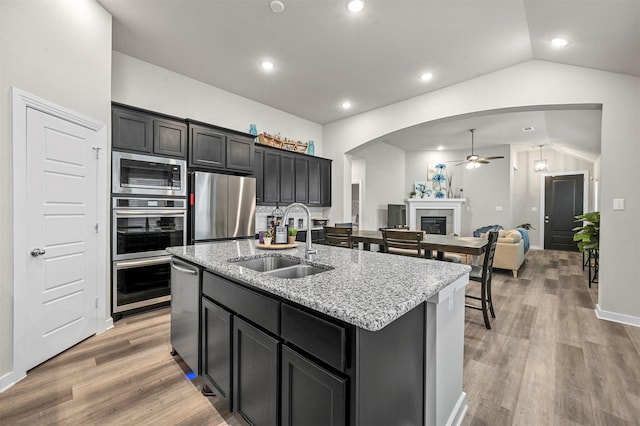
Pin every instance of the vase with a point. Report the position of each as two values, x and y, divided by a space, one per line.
449 192
292 239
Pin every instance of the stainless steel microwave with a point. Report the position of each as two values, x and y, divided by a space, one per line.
148 175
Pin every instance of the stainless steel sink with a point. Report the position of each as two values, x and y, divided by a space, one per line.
267 263
281 267
297 271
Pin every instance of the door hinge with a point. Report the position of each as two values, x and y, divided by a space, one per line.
97 150
96 227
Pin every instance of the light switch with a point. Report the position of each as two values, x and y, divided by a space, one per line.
618 203
498 208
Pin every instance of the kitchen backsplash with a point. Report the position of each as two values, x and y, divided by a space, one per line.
263 211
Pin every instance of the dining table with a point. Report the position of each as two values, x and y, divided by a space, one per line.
430 243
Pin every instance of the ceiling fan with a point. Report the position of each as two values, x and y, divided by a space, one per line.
474 161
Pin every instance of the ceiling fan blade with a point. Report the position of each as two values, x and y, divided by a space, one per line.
459 164
490 158
453 161
481 161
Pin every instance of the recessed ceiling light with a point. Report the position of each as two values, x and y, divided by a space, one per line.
426 76
440 148
267 65
559 41
276 6
355 5
528 129
346 105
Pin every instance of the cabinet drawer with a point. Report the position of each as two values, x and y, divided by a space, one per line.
246 303
320 338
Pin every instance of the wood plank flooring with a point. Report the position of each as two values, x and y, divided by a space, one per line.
547 361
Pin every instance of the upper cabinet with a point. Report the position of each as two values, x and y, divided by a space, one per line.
140 131
218 149
284 177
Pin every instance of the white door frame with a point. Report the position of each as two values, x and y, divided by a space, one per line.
20 102
585 196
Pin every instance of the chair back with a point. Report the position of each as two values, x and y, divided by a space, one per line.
402 242
339 237
487 266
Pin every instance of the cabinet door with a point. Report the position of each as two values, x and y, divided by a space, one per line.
258 173
216 349
271 176
255 374
240 154
302 180
310 394
132 131
206 148
287 178
314 182
325 183
170 138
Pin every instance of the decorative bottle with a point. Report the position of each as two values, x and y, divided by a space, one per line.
310 148
253 130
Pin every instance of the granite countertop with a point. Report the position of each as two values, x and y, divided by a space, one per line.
367 289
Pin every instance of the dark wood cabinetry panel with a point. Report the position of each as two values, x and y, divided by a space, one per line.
216 349
206 148
301 180
132 130
314 182
240 153
325 183
169 138
310 393
255 374
271 177
287 178
258 173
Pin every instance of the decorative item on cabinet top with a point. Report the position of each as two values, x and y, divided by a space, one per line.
283 143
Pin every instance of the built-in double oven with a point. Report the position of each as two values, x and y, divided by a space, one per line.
149 213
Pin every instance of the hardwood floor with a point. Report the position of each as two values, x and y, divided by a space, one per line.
547 361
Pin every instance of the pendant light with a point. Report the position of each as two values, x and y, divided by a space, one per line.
540 165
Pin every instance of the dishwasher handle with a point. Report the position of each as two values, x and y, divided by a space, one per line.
183 269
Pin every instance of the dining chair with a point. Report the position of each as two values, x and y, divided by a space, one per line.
403 242
338 237
483 275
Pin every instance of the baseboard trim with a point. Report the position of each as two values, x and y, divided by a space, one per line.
8 380
459 411
616 317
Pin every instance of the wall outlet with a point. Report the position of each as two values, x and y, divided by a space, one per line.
498 208
534 209
618 203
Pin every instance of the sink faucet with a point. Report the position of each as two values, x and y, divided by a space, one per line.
310 250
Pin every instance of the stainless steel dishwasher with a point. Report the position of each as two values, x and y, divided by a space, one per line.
185 297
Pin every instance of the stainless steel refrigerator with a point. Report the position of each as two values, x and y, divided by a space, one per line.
222 206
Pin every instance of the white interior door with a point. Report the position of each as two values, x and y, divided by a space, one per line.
61 202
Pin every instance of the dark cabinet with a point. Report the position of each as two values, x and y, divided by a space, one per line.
258 173
310 394
206 148
139 131
325 183
271 177
255 374
287 178
216 349
314 183
301 166
240 153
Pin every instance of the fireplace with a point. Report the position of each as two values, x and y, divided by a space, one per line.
451 207
434 224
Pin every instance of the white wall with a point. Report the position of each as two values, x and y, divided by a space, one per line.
59 51
141 84
527 84
528 184
384 179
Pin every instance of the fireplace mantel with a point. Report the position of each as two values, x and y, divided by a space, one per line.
454 204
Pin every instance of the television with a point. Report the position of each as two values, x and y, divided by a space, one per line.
396 215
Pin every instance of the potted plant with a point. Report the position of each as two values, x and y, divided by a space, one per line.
588 235
267 237
292 235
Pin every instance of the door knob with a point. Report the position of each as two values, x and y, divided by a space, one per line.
37 252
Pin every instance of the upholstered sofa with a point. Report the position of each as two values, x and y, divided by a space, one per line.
511 248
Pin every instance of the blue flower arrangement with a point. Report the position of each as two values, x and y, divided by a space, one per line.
439 194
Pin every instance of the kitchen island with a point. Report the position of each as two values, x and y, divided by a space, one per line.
368 339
